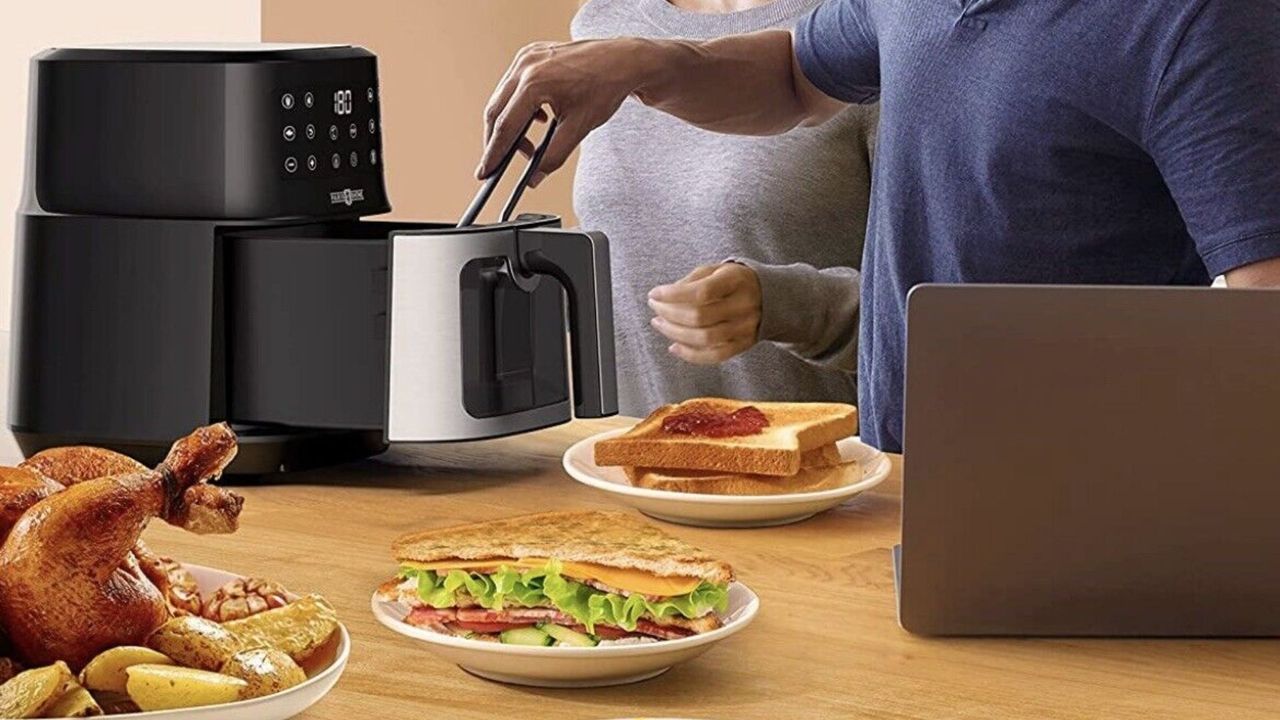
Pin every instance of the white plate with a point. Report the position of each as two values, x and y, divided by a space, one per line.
280 706
724 510
571 667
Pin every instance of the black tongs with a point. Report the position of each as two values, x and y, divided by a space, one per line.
482 197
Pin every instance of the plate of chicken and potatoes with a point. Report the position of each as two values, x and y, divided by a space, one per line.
94 622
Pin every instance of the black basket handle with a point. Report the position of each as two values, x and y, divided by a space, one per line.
491 182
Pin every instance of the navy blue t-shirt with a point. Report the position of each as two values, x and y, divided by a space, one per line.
1051 141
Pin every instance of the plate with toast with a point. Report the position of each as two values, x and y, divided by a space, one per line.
571 598
714 462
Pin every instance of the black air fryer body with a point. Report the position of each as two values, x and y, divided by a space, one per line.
189 250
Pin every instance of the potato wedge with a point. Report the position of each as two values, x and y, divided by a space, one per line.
168 687
76 702
105 672
30 694
267 670
299 628
195 642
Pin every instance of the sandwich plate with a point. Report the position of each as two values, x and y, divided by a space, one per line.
572 667
729 511
282 705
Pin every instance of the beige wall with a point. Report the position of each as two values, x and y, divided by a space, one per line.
29 27
438 60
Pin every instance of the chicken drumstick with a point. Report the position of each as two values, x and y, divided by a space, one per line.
70 584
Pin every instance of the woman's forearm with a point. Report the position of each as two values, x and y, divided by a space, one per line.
811 312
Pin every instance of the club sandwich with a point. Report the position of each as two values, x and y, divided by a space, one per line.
577 578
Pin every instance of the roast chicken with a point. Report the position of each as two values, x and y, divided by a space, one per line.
74 577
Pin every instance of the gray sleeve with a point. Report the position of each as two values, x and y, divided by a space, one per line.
811 312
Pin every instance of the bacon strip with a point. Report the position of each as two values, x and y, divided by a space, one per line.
431 618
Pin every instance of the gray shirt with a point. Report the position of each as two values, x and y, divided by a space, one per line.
671 197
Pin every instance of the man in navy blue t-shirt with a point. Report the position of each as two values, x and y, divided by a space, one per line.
1085 141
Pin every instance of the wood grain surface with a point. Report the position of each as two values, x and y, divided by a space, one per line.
825 645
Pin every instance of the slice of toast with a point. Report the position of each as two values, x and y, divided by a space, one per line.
810 479
793 429
614 539
820 469
820 457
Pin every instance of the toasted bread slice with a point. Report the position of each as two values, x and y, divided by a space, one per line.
793 429
820 469
614 539
819 457
810 479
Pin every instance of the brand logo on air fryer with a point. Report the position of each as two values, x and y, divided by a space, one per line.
346 196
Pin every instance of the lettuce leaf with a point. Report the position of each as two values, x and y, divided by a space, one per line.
536 587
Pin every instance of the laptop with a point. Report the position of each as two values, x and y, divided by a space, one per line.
1091 461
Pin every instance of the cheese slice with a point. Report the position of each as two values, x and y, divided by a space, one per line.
631 580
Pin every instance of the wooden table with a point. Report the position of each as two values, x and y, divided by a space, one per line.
825 645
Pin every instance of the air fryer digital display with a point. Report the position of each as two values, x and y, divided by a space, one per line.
342 102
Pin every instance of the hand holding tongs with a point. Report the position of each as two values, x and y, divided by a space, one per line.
482 197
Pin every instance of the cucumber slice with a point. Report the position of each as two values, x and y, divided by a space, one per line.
565 636
525 636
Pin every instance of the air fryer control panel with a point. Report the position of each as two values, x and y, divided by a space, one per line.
328 131
256 132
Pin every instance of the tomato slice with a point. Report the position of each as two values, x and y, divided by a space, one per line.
488 627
